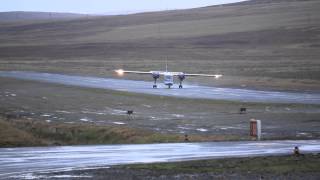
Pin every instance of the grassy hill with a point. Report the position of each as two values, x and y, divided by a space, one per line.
20 16
259 43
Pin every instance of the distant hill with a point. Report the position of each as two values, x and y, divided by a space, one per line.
273 43
23 16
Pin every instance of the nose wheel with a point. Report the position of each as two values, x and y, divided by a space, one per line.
180 86
155 86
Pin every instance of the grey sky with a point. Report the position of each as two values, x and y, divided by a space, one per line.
104 6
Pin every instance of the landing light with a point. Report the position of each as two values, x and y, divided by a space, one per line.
120 72
218 76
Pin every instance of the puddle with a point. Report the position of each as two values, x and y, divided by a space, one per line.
85 119
146 105
178 115
65 112
202 130
119 123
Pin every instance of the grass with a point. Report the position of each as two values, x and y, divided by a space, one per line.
273 165
23 132
11 136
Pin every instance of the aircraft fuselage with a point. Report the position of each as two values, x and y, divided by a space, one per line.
168 79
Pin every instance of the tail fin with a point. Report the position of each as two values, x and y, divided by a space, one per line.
166 64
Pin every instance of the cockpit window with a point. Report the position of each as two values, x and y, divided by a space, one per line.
168 78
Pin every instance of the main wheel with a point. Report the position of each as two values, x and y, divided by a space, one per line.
180 86
154 86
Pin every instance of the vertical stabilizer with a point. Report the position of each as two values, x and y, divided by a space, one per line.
166 64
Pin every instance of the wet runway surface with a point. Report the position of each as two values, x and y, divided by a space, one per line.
189 91
15 162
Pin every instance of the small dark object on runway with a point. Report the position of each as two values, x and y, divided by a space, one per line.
186 138
296 151
243 110
130 112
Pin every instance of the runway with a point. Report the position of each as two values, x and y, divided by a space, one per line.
189 91
15 162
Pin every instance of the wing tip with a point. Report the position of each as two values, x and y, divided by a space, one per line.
217 76
120 72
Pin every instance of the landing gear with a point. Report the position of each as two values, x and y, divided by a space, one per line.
155 84
181 78
169 86
155 77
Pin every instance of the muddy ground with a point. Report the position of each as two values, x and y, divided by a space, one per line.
67 104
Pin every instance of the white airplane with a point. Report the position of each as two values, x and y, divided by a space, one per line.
167 76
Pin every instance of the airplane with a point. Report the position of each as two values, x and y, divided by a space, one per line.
167 76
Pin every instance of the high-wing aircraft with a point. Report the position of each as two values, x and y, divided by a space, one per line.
168 77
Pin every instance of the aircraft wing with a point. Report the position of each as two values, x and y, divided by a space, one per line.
205 75
134 72
121 72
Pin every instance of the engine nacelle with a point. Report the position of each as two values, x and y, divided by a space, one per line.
155 75
181 76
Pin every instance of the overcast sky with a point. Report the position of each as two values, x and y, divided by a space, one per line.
104 6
